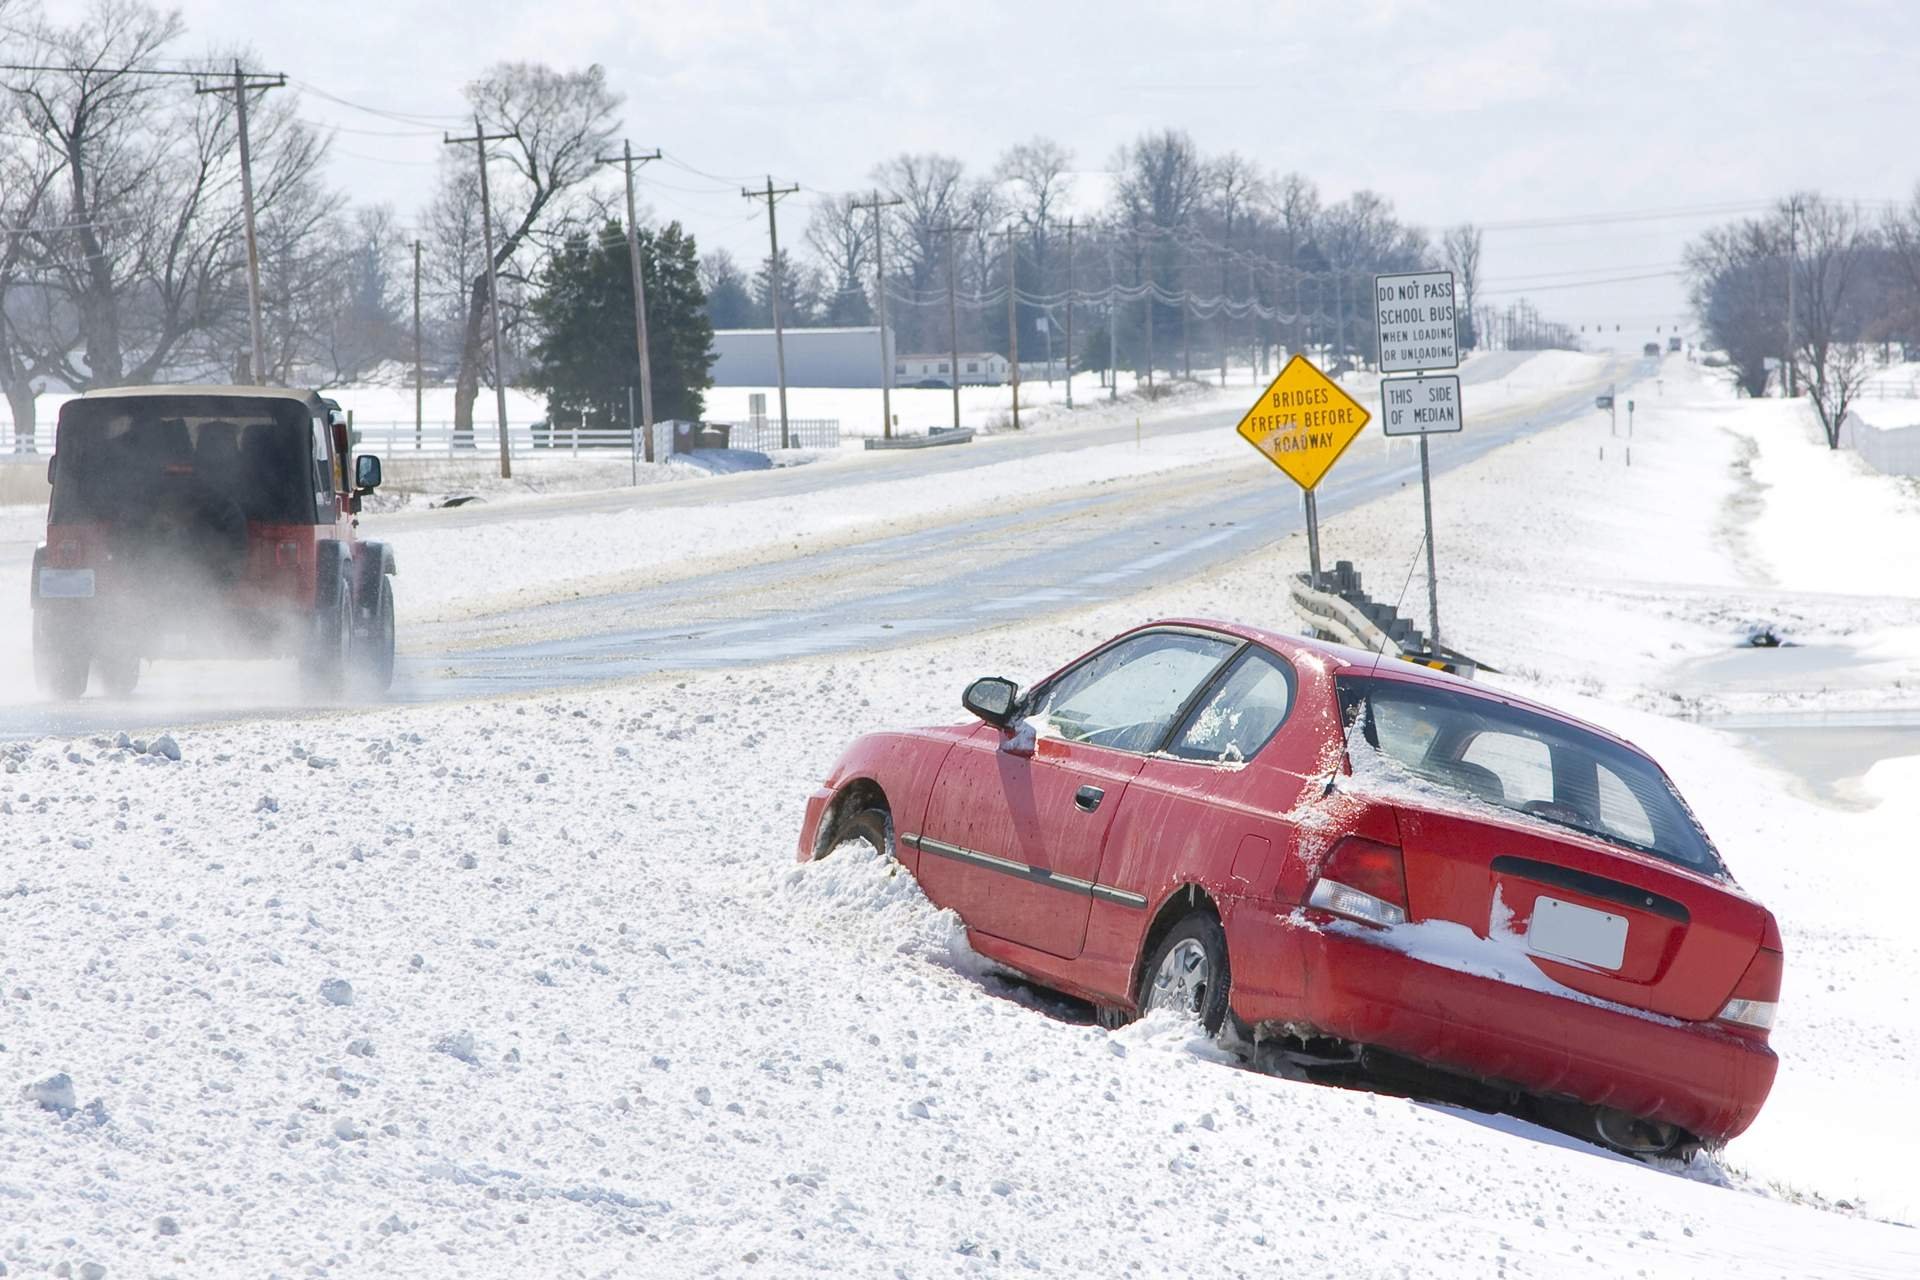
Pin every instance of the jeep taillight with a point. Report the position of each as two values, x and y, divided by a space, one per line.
1363 880
1756 998
68 554
286 555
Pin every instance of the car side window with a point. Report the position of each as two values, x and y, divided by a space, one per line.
1127 695
1246 710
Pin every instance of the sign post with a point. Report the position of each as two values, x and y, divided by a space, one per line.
1414 312
1302 423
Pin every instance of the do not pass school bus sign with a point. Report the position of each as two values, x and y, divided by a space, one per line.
1303 422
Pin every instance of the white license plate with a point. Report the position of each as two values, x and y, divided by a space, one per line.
66 584
1568 931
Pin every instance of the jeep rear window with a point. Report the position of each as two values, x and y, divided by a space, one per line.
119 457
1507 756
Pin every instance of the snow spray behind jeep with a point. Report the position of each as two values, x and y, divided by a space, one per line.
197 522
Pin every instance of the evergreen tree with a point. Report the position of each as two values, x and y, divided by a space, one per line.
586 357
799 293
729 305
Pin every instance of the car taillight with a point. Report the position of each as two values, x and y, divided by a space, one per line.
286 554
1757 996
1363 880
67 555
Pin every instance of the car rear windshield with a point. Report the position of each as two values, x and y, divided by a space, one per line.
1516 759
118 457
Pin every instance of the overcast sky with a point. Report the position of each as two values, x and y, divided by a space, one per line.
1496 113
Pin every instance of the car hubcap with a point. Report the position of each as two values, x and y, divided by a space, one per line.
1183 980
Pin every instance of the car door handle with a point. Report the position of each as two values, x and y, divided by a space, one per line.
1087 799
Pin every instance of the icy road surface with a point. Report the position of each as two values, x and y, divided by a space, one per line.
828 558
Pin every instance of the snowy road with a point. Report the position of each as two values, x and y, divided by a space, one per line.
1054 547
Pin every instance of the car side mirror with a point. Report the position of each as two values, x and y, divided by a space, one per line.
993 699
50 461
366 473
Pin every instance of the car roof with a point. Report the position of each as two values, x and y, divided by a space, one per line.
254 393
1345 659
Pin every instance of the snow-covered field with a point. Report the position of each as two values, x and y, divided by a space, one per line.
595 1021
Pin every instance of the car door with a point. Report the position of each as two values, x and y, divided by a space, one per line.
1016 823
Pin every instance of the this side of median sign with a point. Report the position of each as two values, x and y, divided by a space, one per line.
1419 334
1420 406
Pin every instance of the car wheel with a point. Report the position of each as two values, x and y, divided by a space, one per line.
119 673
872 827
373 644
1188 972
60 659
324 665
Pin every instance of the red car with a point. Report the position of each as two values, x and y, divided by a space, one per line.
1378 873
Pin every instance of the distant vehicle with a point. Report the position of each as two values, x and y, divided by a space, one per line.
1330 856
1674 344
1651 350
932 384
208 521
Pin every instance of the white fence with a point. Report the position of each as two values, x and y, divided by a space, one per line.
1893 451
402 440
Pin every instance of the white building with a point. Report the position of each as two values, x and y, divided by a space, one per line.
827 357
977 368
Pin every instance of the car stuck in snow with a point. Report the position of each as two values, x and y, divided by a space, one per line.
1368 871
208 521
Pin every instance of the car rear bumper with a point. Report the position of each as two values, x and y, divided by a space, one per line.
1707 1081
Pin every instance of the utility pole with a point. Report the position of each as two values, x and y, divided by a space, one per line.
240 87
627 160
1069 313
480 139
1113 328
1253 321
875 203
952 233
1226 317
419 375
1143 276
1186 323
772 197
1013 317
1792 370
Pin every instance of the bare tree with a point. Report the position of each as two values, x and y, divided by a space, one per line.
1462 247
28 176
1900 235
1737 281
1236 189
842 238
1829 326
557 122
141 249
1035 178
934 189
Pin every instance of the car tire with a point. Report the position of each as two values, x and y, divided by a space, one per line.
119 673
1188 972
873 826
60 659
373 644
323 667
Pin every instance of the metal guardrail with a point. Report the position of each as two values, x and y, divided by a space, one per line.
802 433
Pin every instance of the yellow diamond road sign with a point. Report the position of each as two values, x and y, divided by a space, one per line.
1303 422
